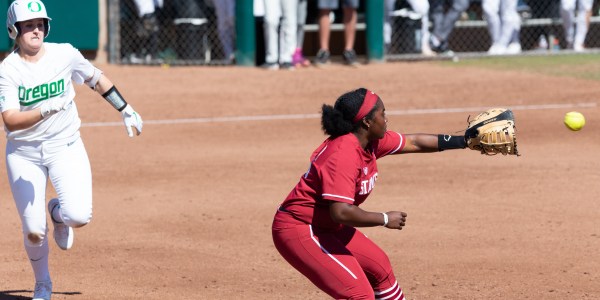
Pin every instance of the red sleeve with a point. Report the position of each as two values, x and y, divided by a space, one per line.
391 143
338 178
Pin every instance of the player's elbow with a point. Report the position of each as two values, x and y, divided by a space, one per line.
12 122
341 212
13 126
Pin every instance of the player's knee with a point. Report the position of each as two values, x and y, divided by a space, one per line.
34 239
77 220
357 292
364 294
76 223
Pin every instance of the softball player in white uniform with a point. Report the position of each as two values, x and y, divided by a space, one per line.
576 21
42 131
504 25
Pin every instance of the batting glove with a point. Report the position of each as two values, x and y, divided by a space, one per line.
54 105
132 119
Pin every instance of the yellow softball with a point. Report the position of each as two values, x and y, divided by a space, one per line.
574 120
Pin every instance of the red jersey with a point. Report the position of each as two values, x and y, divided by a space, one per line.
340 170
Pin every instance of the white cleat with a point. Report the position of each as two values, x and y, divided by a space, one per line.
63 234
514 48
578 48
497 50
42 291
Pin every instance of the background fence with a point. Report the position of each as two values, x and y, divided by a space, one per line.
179 32
185 32
541 30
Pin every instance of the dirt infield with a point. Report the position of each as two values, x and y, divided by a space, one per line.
184 211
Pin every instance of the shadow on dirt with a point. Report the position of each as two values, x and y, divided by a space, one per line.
12 295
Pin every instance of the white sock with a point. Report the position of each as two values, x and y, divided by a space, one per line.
56 215
38 257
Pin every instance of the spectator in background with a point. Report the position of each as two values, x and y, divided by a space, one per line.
280 41
444 21
421 7
544 36
225 11
298 58
504 25
350 16
148 30
576 21
191 28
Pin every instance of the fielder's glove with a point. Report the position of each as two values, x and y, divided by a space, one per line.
492 132
132 119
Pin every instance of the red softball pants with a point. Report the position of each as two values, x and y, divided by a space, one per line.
343 263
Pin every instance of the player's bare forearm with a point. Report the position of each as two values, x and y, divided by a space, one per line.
104 84
420 143
354 216
19 120
427 143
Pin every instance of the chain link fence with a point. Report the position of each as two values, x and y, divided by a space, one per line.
178 32
541 30
186 32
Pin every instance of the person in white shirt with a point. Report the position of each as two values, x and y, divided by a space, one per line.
576 15
42 131
504 26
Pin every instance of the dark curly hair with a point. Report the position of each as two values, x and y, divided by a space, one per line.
337 120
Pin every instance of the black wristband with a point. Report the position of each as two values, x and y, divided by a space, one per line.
115 99
451 142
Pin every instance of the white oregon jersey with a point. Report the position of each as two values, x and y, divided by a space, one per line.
25 86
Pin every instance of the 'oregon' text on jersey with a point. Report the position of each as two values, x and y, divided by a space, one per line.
41 92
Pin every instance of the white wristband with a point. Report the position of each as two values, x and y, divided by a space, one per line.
385 219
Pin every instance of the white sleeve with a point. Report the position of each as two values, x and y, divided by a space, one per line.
82 69
9 94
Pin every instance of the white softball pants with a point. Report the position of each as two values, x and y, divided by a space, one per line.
280 45
66 164
503 20
575 26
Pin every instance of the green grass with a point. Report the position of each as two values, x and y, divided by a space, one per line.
583 66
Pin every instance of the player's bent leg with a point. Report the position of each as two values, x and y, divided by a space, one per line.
71 175
322 259
376 265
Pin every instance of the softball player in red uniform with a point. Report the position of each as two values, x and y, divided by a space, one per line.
314 229
42 131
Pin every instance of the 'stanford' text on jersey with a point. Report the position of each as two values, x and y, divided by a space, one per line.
25 86
340 170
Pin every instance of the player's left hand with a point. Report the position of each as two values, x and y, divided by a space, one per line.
132 119
492 132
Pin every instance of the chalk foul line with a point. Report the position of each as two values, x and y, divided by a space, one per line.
316 116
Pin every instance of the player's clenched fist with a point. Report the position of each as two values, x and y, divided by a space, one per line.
396 219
